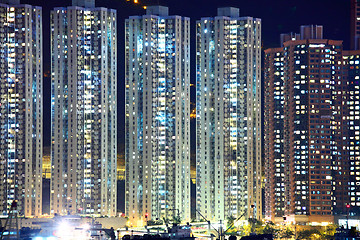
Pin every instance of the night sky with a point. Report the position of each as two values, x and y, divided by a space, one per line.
278 16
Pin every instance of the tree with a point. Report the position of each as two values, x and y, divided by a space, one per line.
256 226
309 233
287 233
245 230
270 228
230 226
154 222
177 219
230 221
328 232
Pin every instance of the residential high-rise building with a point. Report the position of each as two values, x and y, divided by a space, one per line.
306 135
352 68
284 37
21 107
157 116
355 25
83 110
228 116
274 133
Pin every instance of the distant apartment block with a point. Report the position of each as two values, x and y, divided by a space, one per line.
355 25
157 125
275 170
352 68
228 116
21 108
306 161
83 110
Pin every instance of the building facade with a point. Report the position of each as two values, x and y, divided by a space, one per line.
83 110
228 116
355 25
157 116
312 177
21 108
274 133
352 71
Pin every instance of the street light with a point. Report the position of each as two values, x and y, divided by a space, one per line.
146 220
347 216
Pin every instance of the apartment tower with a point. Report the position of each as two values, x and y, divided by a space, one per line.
21 108
355 25
306 166
352 70
83 110
157 116
228 116
274 133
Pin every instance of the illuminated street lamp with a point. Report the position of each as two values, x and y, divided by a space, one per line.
146 219
347 216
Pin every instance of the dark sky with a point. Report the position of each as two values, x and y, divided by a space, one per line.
278 16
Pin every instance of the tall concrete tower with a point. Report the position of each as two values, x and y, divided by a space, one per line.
21 107
228 116
157 116
83 108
